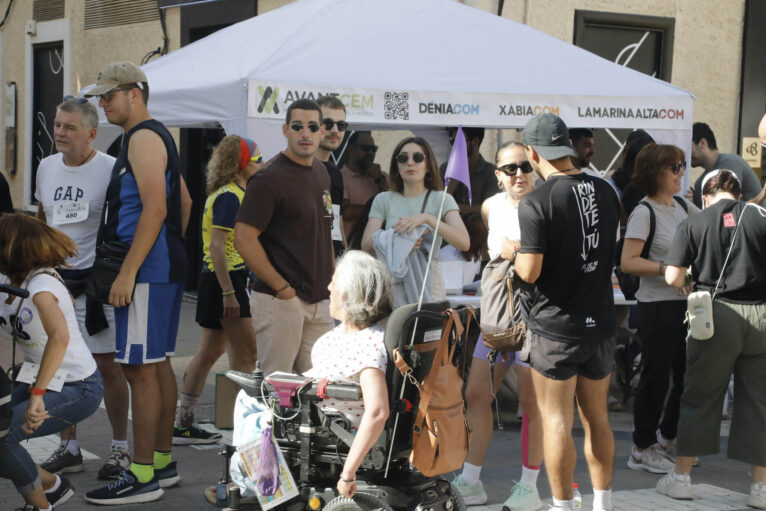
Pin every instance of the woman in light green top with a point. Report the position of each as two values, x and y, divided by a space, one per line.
413 173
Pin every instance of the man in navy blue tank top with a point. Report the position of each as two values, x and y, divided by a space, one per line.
147 207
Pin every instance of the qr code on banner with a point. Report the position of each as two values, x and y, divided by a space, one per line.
397 105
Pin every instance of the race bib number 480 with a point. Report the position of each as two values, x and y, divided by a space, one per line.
70 212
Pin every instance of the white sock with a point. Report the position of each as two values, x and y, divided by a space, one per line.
49 508
563 505
664 442
120 443
55 485
71 446
529 476
602 499
471 473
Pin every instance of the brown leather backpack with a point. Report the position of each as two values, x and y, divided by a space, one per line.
440 434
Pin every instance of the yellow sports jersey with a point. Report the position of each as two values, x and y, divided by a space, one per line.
220 213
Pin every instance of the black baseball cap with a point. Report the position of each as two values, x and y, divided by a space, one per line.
549 137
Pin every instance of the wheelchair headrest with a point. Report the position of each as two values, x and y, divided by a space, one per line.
430 322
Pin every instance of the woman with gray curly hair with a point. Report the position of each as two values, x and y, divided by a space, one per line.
354 351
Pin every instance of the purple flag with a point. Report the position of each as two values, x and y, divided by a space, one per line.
457 166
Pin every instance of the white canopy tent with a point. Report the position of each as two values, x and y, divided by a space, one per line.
403 64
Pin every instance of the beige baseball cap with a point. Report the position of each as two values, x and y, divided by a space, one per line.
114 75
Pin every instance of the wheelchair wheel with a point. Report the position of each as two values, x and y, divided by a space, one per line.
458 504
359 502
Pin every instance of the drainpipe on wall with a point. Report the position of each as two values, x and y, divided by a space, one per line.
527 5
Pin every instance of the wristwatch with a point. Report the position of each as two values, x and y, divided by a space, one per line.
663 266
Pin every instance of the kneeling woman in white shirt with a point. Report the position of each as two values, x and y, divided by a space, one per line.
59 385
354 351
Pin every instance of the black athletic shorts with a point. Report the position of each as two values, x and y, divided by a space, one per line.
210 299
560 360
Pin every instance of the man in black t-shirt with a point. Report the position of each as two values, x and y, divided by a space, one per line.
334 121
568 234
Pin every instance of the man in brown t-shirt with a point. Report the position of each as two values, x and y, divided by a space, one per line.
283 232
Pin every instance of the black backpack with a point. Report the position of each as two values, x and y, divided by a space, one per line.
629 283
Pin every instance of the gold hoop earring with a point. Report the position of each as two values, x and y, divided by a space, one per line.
499 185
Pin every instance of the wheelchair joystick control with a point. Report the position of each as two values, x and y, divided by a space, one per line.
250 382
258 373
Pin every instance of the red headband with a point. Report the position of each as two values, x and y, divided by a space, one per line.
246 150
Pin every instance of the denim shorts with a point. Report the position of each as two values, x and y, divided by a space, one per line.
75 402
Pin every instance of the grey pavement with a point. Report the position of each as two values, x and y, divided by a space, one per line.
720 484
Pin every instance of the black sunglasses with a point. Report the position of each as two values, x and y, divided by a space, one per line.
510 169
69 97
367 148
329 123
404 157
108 96
298 126
678 167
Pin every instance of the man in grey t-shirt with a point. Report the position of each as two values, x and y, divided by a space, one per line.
705 154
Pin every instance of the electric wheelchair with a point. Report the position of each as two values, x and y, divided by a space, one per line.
314 443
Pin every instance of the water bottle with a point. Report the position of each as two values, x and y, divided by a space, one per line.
576 497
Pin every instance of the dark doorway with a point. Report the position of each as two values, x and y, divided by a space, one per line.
196 147
196 144
47 91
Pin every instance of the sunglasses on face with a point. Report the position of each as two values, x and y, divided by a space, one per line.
367 148
404 158
110 95
678 167
298 126
257 159
329 123
510 169
69 97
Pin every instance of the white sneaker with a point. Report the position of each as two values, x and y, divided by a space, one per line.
650 460
473 494
524 497
675 486
757 496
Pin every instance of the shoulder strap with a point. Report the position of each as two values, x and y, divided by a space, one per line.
652 226
425 201
426 389
731 247
682 203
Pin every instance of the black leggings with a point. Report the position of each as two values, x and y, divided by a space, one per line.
663 360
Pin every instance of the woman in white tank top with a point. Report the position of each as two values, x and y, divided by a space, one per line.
501 215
